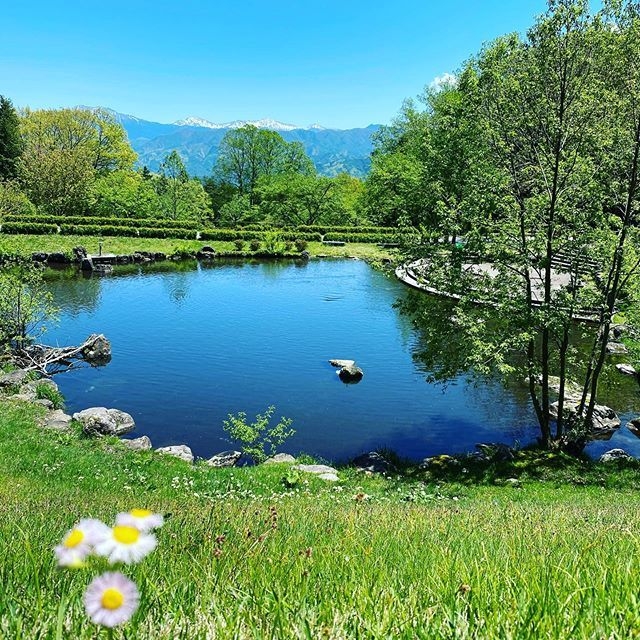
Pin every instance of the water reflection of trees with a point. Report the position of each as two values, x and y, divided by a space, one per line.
73 294
442 353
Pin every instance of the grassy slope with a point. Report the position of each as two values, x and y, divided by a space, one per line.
27 244
556 557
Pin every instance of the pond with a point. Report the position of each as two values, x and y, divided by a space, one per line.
193 342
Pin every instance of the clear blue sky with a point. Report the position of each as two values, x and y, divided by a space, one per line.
341 64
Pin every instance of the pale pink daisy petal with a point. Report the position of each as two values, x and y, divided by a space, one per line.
142 519
124 543
78 542
111 599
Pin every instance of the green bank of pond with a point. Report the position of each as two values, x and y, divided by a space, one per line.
242 555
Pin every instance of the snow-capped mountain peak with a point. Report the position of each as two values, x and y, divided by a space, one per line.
264 123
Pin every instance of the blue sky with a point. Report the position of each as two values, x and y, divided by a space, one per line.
341 64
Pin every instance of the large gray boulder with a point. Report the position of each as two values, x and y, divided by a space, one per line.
106 422
373 462
322 471
57 420
98 349
615 348
280 458
615 454
13 379
177 451
627 370
603 424
224 459
143 443
351 374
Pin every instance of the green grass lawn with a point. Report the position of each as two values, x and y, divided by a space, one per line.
27 244
458 553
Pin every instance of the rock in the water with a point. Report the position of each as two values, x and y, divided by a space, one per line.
342 363
616 347
280 458
99 350
627 370
178 451
143 443
323 471
603 424
86 264
373 462
57 419
102 269
103 421
225 459
634 427
351 374
614 454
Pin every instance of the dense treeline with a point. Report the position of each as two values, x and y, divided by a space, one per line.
529 160
78 162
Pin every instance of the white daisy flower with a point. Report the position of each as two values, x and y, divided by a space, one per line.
111 599
142 519
78 542
125 543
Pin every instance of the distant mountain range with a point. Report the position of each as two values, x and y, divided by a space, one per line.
333 151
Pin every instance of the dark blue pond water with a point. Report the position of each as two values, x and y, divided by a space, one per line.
192 345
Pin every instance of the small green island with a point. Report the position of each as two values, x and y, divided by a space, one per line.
507 198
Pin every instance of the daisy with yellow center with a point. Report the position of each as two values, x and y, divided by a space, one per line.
142 519
124 543
111 599
78 542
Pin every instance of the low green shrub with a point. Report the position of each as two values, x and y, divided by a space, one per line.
45 391
259 439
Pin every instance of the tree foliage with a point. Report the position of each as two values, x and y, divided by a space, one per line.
533 156
10 140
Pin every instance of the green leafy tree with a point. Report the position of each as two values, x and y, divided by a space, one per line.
125 194
180 196
25 304
65 151
248 154
13 201
10 140
259 439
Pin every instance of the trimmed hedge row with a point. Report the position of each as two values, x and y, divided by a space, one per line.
39 228
368 238
233 234
106 222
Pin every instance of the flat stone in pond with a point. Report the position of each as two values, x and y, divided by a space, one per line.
178 451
